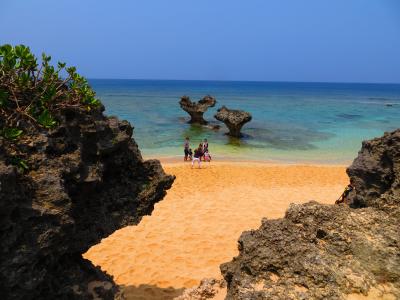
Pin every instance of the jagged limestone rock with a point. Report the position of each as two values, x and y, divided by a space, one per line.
86 179
376 172
196 110
329 251
208 288
233 119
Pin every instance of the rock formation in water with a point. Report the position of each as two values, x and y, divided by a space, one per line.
196 110
85 179
330 251
233 119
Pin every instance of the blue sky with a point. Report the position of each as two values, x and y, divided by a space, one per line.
266 40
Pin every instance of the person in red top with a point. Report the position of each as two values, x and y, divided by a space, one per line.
207 156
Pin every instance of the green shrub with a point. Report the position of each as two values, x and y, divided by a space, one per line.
35 91
32 94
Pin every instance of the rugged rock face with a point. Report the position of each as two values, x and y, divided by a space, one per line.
376 173
196 110
208 288
329 251
86 179
233 119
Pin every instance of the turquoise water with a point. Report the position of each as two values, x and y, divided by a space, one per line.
292 122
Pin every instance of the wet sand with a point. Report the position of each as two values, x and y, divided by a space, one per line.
196 226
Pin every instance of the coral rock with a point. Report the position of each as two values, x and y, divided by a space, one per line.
196 110
376 172
86 179
233 119
329 251
207 289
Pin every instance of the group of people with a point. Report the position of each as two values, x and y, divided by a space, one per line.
200 153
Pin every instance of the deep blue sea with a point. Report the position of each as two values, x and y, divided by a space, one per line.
292 122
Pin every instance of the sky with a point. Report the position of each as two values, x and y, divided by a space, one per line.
260 40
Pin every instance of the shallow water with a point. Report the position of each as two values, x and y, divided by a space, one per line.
292 122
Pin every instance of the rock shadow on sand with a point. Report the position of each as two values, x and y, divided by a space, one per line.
149 292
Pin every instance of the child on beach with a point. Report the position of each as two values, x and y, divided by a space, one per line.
190 154
204 146
207 156
198 153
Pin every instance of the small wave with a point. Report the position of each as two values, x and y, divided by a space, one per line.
349 116
381 101
134 96
379 98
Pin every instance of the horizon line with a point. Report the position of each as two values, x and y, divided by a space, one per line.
256 81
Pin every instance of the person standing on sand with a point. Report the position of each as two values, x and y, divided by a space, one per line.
186 148
207 156
198 153
190 154
205 145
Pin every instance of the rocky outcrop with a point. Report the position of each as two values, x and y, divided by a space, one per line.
85 179
233 119
376 173
329 251
196 110
208 288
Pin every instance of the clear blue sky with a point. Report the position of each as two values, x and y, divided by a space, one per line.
267 40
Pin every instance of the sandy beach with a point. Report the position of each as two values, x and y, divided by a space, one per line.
197 225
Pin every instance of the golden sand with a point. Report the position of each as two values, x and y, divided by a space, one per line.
196 227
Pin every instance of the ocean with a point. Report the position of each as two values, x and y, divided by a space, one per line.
292 122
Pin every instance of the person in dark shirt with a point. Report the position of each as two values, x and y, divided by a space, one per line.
190 154
186 149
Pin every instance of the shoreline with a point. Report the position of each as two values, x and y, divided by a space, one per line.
178 159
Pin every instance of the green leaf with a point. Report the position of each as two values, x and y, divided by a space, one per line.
5 49
46 58
23 164
49 94
23 79
19 51
19 163
9 61
71 71
46 120
11 133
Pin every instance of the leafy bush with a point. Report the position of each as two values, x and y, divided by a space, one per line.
34 92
